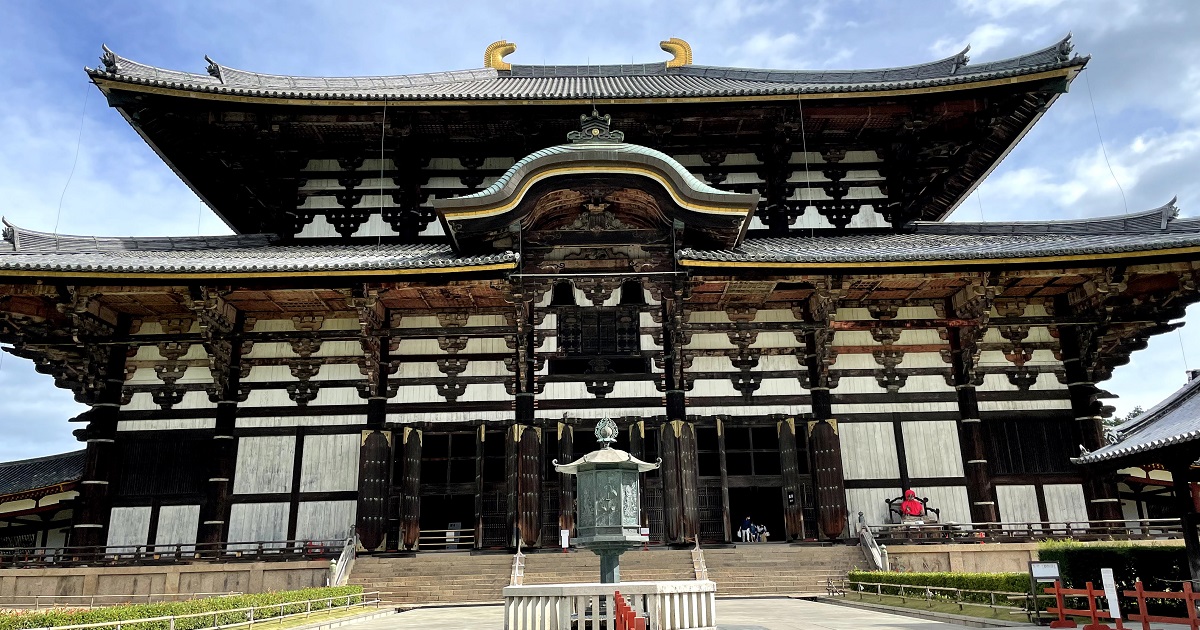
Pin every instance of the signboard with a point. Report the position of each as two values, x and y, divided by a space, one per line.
1040 573
1110 593
1044 571
791 498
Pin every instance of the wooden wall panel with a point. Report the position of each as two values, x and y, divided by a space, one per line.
932 449
129 526
1065 502
264 465
869 450
325 520
1018 503
330 463
177 525
252 522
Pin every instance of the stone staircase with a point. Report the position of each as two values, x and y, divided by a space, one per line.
458 577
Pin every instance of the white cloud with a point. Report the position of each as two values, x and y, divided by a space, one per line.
1002 8
984 38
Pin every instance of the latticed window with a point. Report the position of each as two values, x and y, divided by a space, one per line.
598 339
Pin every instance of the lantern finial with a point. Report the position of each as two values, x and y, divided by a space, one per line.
606 433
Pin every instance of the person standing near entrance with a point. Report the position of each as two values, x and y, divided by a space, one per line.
745 531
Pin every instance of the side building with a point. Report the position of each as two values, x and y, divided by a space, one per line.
429 292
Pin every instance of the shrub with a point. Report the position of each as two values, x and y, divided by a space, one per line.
285 602
1159 568
1007 582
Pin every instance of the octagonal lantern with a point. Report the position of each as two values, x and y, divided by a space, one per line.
608 491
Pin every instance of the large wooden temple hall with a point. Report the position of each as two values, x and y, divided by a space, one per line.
438 283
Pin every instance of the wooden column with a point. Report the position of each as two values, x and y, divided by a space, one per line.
566 483
689 481
214 511
981 492
410 503
726 522
374 456
824 444
1181 471
524 475
668 446
789 466
1099 487
90 526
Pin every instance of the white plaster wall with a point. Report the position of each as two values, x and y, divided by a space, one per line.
301 421
872 502
1018 504
177 525
330 463
129 526
325 520
264 464
254 522
166 425
868 450
951 500
932 449
1065 502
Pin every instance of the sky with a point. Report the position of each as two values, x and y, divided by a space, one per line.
68 162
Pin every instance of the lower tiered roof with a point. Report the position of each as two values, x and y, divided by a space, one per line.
1156 232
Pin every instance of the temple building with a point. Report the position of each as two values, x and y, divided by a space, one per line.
436 280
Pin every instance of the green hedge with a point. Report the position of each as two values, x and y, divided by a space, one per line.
1159 568
70 617
1007 582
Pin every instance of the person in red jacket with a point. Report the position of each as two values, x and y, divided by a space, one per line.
911 507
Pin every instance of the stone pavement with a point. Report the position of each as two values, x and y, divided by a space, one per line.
732 614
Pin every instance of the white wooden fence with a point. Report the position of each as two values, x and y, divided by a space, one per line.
681 605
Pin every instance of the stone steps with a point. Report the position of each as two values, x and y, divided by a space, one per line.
454 577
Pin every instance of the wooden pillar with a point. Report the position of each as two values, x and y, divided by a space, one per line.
726 522
824 444
524 475
222 460
1181 471
374 456
981 492
689 481
789 466
566 483
1099 487
90 527
668 446
410 503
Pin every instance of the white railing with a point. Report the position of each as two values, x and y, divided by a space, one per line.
246 617
679 605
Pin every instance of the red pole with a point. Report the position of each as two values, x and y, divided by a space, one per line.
1062 621
1190 598
1140 589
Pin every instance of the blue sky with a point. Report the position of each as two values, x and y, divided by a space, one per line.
1143 79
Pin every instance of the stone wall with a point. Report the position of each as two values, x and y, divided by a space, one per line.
183 579
981 558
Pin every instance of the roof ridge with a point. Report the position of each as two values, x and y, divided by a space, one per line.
1166 215
25 240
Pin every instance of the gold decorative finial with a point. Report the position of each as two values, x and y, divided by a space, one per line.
681 49
494 54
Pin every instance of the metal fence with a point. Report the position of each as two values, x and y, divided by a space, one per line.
1028 531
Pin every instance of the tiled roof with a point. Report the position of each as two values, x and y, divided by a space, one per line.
601 81
929 241
1171 422
231 254
41 472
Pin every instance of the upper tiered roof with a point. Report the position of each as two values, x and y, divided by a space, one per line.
574 82
273 153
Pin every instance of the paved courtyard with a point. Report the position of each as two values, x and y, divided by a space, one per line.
732 614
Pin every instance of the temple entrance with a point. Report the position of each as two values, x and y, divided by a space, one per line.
448 490
763 504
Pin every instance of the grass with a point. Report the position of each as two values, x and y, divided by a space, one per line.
941 606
